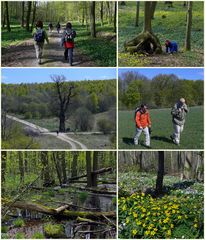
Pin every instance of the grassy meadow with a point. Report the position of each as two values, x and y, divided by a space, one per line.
191 137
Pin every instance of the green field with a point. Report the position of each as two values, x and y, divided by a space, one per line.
191 138
169 23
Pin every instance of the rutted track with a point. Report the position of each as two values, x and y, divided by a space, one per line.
74 144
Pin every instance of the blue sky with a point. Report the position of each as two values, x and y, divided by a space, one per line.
182 73
39 75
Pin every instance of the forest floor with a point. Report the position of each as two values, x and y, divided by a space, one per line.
23 55
179 212
74 144
168 23
32 224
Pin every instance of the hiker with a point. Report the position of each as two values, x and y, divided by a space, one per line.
50 27
39 35
58 27
178 112
57 132
171 46
143 124
67 41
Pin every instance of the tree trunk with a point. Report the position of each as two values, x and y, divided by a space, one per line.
3 10
145 42
28 16
95 168
153 7
137 14
22 14
74 164
63 164
66 213
46 174
115 17
160 173
62 120
188 27
21 167
92 19
88 169
3 170
57 166
34 15
101 13
7 17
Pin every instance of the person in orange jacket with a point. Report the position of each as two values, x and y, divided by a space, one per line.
143 124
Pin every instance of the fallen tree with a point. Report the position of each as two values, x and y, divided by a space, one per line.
61 211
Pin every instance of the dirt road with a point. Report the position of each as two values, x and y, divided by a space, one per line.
74 144
23 55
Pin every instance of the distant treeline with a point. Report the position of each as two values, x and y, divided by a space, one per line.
161 91
40 100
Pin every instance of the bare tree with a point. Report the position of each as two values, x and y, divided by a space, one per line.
65 93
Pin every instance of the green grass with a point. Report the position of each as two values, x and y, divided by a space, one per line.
16 36
100 49
169 23
191 138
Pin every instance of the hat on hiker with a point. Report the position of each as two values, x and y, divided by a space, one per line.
182 100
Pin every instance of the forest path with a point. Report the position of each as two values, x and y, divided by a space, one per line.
23 55
62 136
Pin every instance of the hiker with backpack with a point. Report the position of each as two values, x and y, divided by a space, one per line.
58 27
143 124
67 41
178 113
39 35
171 46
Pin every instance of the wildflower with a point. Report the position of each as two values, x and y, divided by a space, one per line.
155 229
124 208
172 225
195 225
135 215
179 217
147 232
134 232
169 232
143 194
127 220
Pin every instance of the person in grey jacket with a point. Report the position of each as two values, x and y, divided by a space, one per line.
178 113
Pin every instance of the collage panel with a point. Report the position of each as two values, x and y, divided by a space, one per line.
161 34
59 33
58 194
161 195
161 108
58 108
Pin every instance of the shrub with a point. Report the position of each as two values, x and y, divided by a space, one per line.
83 196
83 119
105 126
28 115
20 235
38 235
4 229
19 222
54 230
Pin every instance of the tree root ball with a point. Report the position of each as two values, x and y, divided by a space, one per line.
145 42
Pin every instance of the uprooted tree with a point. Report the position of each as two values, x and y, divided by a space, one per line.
146 41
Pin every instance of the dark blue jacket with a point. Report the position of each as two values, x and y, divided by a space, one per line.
172 47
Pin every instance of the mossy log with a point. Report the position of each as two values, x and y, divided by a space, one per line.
66 213
145 42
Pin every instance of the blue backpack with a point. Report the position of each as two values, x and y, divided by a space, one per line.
39 35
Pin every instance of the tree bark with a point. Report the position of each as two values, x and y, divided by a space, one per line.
22 14
66 213
63 164
137 14
115 17
46 174
21 166
92 19
88 169
160 173
58 170
153 7
95 168
34 15
101 13
74 164
188 26
7 17
28 16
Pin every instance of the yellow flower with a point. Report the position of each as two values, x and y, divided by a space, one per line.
134 215
142 215
179 217
138 223
147 232
150 227
143 194
144 225
127 220
173 211
169 232
166 220
152 233
155 229
124 208
143 210
195 225
148 213
134 232
172 225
